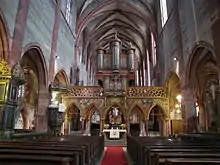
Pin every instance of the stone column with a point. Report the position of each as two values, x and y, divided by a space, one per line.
53 62
100 59
101 127
62 129
146 126
41 118
87 132
142 129
82 125
128 126
167 127
19 31
69 127
188 107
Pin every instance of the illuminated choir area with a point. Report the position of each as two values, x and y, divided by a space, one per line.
117 106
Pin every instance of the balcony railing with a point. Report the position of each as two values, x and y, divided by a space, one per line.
131 92
85 92
146 92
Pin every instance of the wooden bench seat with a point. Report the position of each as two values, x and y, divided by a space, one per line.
73 155
79 151
189 161
18 159
153 151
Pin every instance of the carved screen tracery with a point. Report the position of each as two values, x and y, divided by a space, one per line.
95 118
134 117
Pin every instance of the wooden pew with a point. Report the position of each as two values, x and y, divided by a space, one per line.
15 159
93 148
74 153
161 158
142 150
73 148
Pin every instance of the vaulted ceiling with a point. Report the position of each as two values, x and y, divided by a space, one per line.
97 21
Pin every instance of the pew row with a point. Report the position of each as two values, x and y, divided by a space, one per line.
163 150
63 150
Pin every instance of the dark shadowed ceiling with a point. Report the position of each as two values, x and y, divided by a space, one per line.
98 20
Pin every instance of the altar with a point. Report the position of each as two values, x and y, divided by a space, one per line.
114 133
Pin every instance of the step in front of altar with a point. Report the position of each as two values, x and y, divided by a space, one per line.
119 142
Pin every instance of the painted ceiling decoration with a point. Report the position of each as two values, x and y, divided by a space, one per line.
98 20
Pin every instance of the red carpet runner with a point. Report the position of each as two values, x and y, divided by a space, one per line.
114 156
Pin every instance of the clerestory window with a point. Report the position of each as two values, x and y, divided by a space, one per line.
68 9
163 11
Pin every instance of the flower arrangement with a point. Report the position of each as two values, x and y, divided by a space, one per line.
106 126
123 126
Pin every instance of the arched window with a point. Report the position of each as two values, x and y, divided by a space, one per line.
163 10
68 9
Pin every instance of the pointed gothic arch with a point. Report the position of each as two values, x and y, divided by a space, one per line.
203 76
35 88
61 78
69 109
139 109
90 110
122 109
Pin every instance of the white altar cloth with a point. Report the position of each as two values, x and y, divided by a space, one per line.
114 133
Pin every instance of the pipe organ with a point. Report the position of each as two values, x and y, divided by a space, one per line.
116 67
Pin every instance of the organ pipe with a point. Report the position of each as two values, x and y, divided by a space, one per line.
115 45
100 59
131 57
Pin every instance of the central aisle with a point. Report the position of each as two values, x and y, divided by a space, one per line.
114 156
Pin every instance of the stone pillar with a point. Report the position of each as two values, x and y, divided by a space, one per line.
115 46
146 127
100 59
55 33
142 129
69 127
167 127
82 125
101 127
188 109
128 126
87 132
19 32
217 102
41 118
62 129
